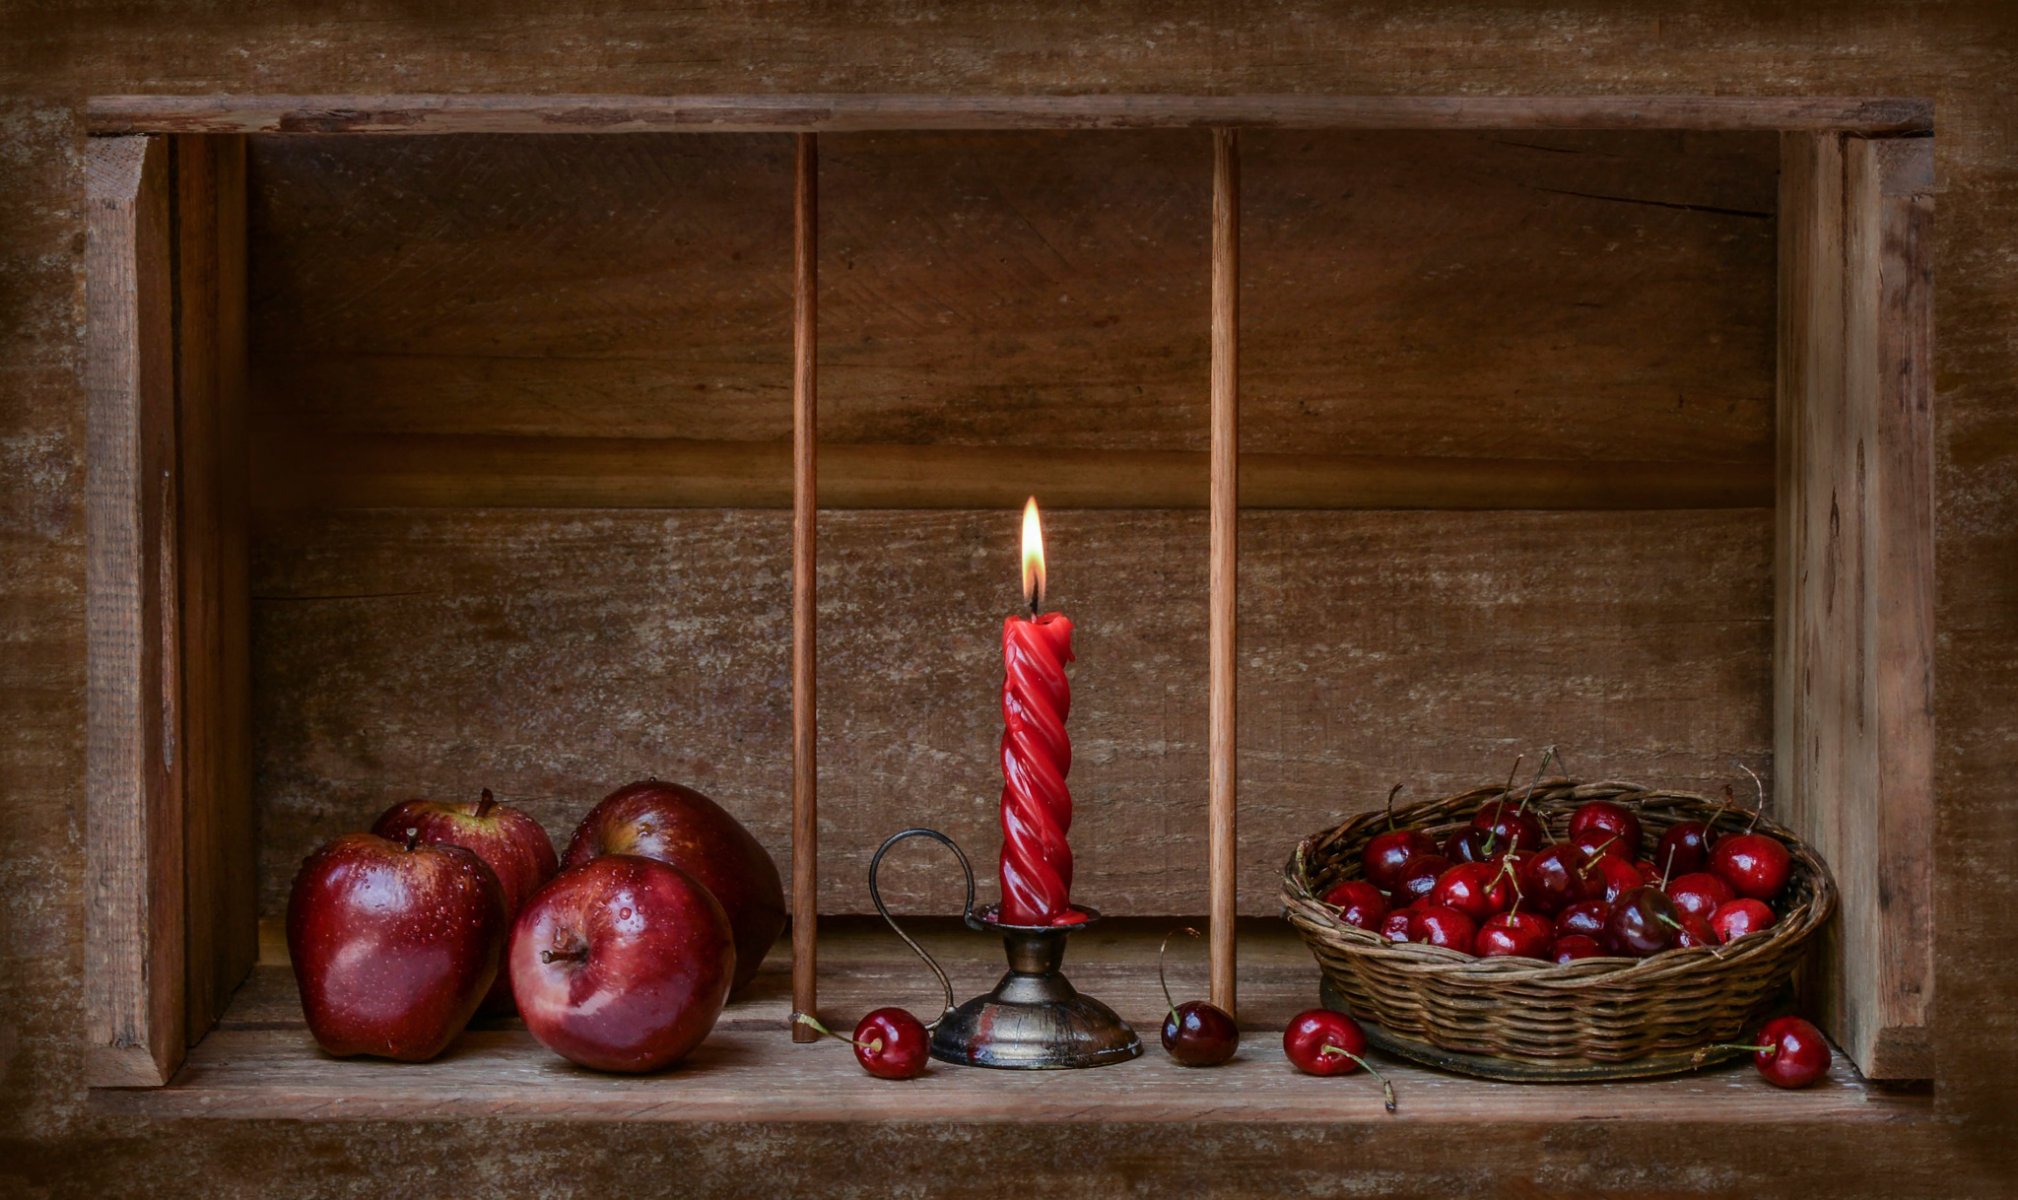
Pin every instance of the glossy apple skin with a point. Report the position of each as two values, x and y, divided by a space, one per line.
1603 816
1322 1042
679 825
1386 854
1359 903
1198 1034
508 840
890 1043
622 964
1756 866
1796 1055
1740 917
393 948
1515 935
1700 894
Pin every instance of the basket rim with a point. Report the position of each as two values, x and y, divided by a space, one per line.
1315 918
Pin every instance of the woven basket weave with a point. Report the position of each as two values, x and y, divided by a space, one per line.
1597 1010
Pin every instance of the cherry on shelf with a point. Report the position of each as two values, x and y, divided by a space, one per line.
890 1043
1195 1033
1319 1041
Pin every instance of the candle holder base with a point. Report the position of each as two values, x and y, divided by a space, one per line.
1034 1020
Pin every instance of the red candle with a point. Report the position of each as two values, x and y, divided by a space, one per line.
1036 753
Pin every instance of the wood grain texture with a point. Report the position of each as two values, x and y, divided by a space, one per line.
805 584
855 113
1855 599
1565 298
263 1064
221 879
1222 721
580 650
133 817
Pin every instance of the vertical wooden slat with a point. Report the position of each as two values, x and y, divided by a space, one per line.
1854 590
1222 843
134 975
805 603
221 918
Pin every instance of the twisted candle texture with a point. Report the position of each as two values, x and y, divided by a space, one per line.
1036 756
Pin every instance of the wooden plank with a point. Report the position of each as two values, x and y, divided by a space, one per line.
475 471
564 653
1222 580
1854 691
805 586
855 113
1573 297
263 1065
221 893
134 979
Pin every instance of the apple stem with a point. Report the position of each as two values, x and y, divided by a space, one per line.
412 839
485 803
1160 952
579 954
1386 1089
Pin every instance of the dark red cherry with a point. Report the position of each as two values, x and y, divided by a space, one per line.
1553 879
1755 865
1358 903
1476 889
1684 848
1596 843
1515 935
1643 922
1586 917
890 1043
1322 1042
1387 854
1612 877
1394 927
1446 927
1471 845
1609 818
1695 931
1572 946
1740 917
1418 878
1511 828
1647 870
1791 1053
1198 1034
1700 893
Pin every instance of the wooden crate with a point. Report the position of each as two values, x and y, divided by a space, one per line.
1432 353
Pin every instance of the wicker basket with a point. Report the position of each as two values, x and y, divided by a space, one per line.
1561 1019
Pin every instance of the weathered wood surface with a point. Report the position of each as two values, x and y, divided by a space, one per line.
133 909
854 113
1855 652
1561 297
263 1064
563 654
219 831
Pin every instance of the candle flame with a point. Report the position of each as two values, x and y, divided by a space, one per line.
1033 556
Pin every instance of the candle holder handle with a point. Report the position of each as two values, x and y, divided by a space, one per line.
876 896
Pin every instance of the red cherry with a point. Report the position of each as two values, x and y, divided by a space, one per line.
1573 946
1388 853
1471 845
1553 879
1515 935
1195 1034
1358 903
1611 819
1684 848
1511 828
1740 917
1615 876
1395 926
1418 878
1643 922
1695 931
1788 1051
1596 843
890 1043
1700 894
1754 864
1322 1042
1446 927
1586 917
1476 889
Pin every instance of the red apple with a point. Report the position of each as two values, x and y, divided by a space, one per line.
508 841
393 943
681 826
622 964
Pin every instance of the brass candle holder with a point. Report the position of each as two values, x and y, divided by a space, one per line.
1034 1019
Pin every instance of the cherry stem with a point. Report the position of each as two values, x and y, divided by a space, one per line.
1548 755
1386 1089
1667 920
485 803
808 1019
1506 793
1706 1051
1759 786
579 954
1596 853
412 839
1391 794
1163 950
1668 869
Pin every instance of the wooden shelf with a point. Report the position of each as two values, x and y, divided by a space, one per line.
259 1062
